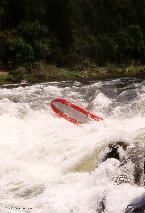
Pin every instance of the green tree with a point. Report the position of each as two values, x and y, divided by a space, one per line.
3 5
69 31
20 51
30 44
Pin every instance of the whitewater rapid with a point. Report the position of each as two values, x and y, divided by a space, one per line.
49 165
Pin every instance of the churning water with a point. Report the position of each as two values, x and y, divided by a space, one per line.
49 165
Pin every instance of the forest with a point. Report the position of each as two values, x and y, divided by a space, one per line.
69 32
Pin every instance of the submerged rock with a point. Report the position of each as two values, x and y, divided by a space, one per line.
130 170
131 158
137 205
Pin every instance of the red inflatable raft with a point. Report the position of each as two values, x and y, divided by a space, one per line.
71 106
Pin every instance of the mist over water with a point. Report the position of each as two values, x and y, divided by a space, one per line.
49 165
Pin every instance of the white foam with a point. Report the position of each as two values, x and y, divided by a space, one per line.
39 153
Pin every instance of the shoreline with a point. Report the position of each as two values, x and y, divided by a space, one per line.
47 73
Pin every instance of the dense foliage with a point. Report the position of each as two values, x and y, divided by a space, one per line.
69 32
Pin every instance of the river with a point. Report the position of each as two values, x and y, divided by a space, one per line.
49 165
